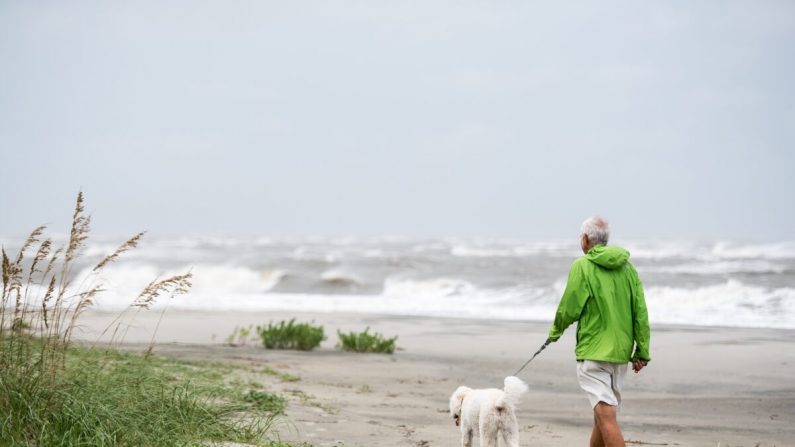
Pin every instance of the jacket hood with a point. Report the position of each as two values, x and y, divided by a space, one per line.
608 257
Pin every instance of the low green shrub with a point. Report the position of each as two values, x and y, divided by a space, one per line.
291 335
365 342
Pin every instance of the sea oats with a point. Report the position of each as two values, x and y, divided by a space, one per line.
32 239
52 261
6 273
59 309
127 245
41 254
81 226
174 285
46 300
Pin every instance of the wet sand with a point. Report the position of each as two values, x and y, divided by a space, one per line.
704 387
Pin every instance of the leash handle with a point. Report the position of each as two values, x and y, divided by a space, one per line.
544 346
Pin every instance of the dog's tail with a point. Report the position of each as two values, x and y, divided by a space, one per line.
514 389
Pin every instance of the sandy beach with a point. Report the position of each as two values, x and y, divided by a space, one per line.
704 387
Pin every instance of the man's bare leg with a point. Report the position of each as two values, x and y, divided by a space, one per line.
596 435
608 425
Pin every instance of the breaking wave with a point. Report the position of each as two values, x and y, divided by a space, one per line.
657 250
719 267
340 277
729 303
427 289
693 283
216 282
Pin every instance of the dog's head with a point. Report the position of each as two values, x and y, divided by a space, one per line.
456 401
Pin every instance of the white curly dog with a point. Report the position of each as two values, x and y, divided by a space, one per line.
488 413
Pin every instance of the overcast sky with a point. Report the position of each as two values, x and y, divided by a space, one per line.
421 119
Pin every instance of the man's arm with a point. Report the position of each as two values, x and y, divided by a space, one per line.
640 325
571 303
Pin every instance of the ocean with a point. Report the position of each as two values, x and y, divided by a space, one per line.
693 283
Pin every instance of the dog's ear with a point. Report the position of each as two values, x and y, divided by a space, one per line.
461 392
457 401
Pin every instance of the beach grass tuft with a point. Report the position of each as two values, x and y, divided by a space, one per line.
240 336
54 392
365 342
291 335
268 402
116 398
283 376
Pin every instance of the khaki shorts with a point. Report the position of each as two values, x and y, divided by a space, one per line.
602 381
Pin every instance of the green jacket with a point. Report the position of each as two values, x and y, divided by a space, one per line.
605 296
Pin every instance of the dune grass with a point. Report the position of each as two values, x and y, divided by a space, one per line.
116 398
265 401
240 336
53 393
283 376
291 335
365 342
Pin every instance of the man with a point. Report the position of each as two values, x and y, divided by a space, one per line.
605 296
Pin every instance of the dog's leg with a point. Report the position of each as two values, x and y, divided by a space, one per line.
510 432
466 437
488 432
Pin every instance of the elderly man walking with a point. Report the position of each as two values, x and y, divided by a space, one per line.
605 296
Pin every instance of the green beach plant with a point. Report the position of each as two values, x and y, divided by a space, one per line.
283 376
365 342
40 300
291 335
240 335
108 397
54 392
268 402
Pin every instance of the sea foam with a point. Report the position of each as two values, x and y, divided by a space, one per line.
694 283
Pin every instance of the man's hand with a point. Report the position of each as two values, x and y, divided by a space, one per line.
637 365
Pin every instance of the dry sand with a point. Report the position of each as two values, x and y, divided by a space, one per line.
704 387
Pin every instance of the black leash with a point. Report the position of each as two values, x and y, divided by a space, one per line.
544 346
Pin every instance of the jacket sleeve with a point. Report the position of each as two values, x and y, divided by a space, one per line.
640 322
571 303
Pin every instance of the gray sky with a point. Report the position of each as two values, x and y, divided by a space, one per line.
448 118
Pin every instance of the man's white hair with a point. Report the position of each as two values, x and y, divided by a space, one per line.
596 229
